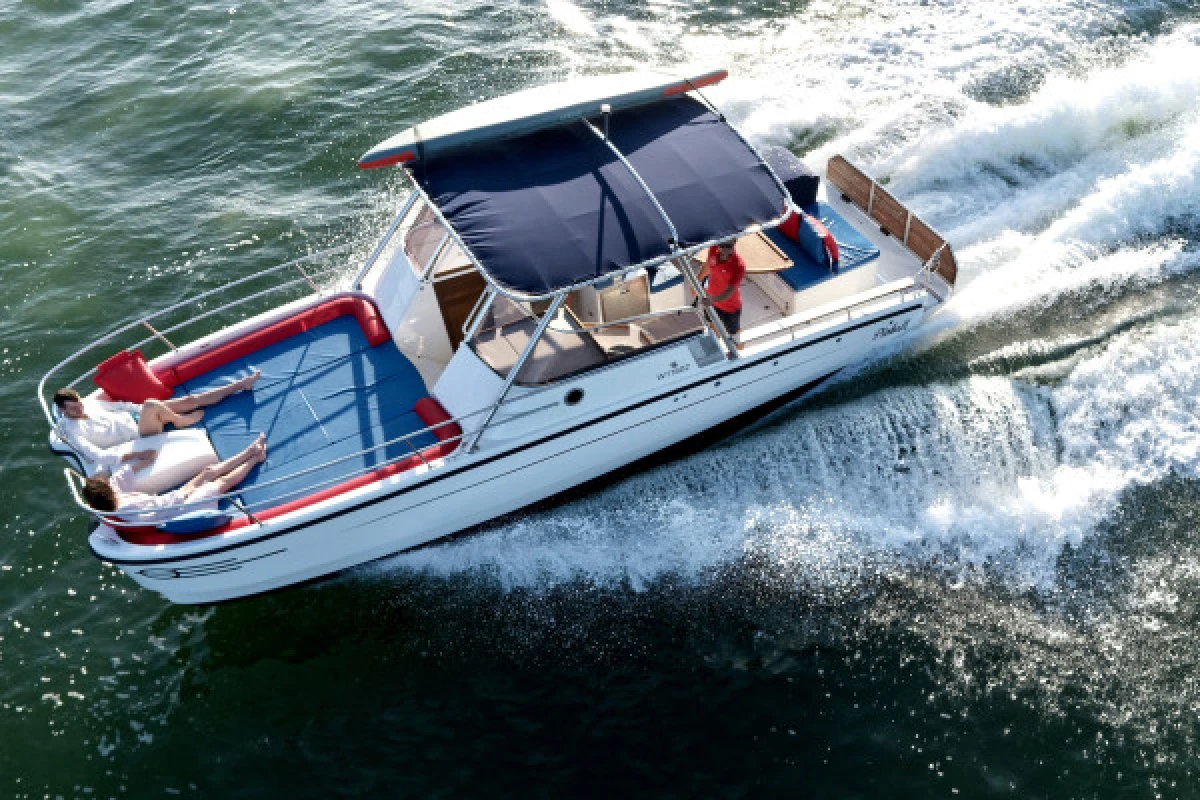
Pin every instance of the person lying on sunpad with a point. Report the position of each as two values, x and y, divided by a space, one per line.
98 428
117 493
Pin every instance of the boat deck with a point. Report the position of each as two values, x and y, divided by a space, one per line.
324 394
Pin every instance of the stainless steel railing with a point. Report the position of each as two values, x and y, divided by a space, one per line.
144 322
924 276
807 324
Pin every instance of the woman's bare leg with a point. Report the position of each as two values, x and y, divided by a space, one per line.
157 415
181 412
254 454
227 482
191 402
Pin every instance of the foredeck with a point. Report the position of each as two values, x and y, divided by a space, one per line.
325 394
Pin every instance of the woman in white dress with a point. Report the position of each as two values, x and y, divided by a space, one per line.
117 493
96 429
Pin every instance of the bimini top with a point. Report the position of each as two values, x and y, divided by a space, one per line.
556 207
530 110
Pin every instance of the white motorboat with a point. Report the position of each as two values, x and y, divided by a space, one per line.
527 323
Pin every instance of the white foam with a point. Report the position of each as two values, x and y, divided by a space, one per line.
911 467
1067 120
571 17
984 475
1132 409
1017 273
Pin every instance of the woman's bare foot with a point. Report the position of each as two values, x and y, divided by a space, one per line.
258 450
248 381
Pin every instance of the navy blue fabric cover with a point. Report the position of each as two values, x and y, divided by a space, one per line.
556 208
813 245
195 522
324 393
801 182
854 250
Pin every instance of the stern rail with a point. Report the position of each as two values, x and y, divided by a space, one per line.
893 217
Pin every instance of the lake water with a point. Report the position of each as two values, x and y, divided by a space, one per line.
968 569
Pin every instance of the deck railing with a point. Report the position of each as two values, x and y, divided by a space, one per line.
802 324
120 335
893 217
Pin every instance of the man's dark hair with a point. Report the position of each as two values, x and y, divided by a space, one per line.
98 493
64 396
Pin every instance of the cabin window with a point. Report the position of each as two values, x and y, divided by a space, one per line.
425 239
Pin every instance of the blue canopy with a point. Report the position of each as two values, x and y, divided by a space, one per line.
556 208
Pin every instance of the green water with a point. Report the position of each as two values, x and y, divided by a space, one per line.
1012 612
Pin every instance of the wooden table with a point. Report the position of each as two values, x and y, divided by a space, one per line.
760 254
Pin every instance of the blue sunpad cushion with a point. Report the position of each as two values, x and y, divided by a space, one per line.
282 361
195 522
324 394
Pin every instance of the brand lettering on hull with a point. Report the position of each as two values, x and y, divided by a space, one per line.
889 328
675 369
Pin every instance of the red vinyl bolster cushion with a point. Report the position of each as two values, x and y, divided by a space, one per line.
790 227
128 378
362 309
431 413
429 410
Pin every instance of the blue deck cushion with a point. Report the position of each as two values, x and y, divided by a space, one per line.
324 394
854 250
195 522
561 191
811 242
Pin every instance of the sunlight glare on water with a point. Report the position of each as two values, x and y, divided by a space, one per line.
968 563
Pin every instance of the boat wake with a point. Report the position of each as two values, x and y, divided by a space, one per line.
1085 184
986 477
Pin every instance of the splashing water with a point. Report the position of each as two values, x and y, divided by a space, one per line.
986 475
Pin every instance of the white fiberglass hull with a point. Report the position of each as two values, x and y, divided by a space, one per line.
686 399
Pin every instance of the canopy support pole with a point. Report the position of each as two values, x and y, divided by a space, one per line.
478 312
683 265
680 259
544 323
383 242
674 242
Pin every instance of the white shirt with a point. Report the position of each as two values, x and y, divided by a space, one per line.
108 426
152 509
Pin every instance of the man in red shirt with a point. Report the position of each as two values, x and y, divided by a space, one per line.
725 271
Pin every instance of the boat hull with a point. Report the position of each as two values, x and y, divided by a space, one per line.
497 479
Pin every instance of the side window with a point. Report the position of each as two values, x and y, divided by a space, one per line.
424 239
